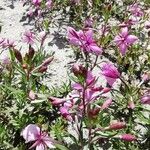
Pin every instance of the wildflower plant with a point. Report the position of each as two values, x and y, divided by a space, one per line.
106 102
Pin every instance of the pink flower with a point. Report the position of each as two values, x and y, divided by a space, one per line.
36 2
33 133
124 40
145 99
65 113
136 10
28 37
110 72
85 40
127 137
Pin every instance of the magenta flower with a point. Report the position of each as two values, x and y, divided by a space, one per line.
85 40
36 2
124 40
33 133
28 37
110 72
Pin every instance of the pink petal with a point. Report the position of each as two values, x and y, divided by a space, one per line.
131 39
40 147
49 144
124 32
90 80
73 36
77 86
95 49
31 132
110 81
117 40
123 48
89 35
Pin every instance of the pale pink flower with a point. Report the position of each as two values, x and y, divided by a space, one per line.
136 10
85 40
33 133
28 37
124 40
110 72
6 61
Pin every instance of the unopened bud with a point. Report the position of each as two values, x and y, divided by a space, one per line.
127 137
92 113
47 61
42 69
31 52
56 101
116 126
24 66
79 70
106 104
18 55
32 95
145 99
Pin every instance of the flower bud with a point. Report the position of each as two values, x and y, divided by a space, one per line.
56 101
127 137
47 61
106 104
92 113
31 52
42 69
18 55
24 66
79 70
32 95
106 90
116 126
131 105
